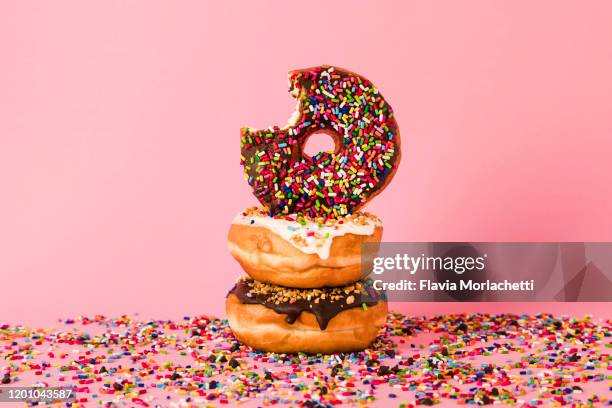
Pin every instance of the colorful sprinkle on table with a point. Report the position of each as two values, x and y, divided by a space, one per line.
475 359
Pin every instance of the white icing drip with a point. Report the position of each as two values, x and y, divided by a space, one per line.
311 237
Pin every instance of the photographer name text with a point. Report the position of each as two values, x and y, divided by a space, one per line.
447 286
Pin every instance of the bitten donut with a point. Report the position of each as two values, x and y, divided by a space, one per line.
300 252
352 111
282 320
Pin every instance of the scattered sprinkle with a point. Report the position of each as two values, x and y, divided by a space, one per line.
477 359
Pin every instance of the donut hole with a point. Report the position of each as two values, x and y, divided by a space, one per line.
320 142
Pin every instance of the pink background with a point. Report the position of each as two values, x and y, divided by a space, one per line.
119 124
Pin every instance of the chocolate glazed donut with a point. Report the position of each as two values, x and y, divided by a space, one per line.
352 111
285 320
324 310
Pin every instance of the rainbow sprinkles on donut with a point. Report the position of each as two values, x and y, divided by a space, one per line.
302 248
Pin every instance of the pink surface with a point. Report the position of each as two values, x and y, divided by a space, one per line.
529 360
119 124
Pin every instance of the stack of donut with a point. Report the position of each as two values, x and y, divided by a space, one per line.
308 248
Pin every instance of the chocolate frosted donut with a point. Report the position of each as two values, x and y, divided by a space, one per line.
352 111
284 320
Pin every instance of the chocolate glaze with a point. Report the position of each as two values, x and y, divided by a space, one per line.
324 310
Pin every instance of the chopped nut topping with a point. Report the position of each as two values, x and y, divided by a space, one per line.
280 294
